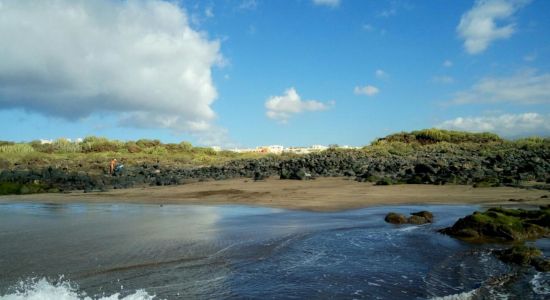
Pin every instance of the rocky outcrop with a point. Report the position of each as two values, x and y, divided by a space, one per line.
499 224
424 166
524 256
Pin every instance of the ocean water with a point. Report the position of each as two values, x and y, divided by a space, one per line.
114 251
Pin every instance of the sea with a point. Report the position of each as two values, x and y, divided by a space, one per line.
136 251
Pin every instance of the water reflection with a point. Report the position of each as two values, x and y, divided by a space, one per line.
196 251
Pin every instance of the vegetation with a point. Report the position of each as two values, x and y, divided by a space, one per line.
93 152
431 136
502 225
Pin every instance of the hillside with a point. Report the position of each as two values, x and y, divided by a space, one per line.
427 156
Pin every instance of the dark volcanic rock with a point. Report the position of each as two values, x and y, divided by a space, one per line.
395 218
417 220
424 214
541 264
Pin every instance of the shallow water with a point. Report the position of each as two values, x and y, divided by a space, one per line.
102 251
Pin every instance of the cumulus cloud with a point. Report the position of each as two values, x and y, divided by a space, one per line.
282 108
368 90
137 59
248 5
510 125
478 26
381 74
331 3
527 87
443 79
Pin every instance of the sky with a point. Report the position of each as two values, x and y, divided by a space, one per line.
244 73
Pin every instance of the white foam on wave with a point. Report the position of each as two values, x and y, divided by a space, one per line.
540 284
461 296
42 289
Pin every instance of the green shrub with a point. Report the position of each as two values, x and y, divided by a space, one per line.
132 147
101 144
433 135
156 150
65 146
16 149
185 146
145 143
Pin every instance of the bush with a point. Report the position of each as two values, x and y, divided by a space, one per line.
16 149
185 146
431 136
145 143
156 150
65 146
101 144
132 147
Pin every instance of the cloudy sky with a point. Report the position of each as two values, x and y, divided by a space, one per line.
255 72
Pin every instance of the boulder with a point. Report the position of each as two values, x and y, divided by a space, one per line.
524 256
395 218
499 224
417 220
424 214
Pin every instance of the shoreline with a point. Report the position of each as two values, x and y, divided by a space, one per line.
322 194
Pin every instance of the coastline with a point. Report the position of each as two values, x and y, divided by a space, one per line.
322 194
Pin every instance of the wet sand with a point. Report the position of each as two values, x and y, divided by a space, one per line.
322 194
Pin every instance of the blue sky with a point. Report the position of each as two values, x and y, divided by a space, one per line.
250 73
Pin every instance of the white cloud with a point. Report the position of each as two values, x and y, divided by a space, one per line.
330 3
139 60
209 12
368 27
248 5
530 57
281 108
368 90
381 74
443 79
526 87
478 26
447 63
508 125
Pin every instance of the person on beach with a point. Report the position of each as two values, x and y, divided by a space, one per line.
112 166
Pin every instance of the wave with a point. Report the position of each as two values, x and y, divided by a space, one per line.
42 289
461 296
540 284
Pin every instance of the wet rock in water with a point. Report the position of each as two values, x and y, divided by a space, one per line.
541 264
524 256
395 218
520 255
417 220
500 224
425 214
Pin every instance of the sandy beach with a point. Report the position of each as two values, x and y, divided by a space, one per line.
322 194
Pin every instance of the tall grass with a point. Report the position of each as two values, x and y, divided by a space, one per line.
16 149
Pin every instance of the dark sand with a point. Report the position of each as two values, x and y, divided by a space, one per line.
322 194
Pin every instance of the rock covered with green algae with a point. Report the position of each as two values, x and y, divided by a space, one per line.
500 224
524 256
